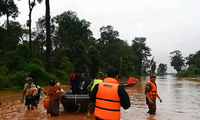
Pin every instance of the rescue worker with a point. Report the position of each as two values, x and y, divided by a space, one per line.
69 83
75 83
90 88
109 96
151 94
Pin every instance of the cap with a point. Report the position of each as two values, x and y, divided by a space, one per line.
29 78
112 72
87 72
152 75
100 74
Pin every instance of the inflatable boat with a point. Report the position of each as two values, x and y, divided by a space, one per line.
76 103
124 84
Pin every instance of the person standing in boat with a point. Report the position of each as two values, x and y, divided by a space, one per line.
86 80
76 83
96 81
151 94
109 96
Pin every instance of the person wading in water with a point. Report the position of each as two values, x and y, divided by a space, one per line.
53 109
109 96
29 89
151 95
93 83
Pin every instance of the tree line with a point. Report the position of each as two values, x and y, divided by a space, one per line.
186 66
60 44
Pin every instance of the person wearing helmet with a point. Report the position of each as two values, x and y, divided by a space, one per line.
29 90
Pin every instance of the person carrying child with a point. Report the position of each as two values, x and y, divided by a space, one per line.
29 90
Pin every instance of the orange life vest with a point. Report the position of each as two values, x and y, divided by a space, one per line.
153 92
108 104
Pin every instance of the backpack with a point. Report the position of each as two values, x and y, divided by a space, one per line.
71 79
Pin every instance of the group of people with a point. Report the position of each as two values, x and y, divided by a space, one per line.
106 95
32 92
78 82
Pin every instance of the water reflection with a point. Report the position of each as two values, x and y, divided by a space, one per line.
181 99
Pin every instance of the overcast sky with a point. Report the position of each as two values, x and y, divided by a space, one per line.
168 25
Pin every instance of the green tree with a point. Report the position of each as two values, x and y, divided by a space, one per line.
177 60
141 52
66 66
107 44
16 60
162 68
194 59
14 38
93 65
153 67
39 35
71 29
31 4
78 56
8 8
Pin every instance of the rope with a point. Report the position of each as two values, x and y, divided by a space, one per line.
77 104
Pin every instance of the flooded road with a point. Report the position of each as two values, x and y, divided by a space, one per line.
181 101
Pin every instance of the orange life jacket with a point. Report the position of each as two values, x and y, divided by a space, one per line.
108 104
153 92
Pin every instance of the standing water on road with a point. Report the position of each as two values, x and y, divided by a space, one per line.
181 101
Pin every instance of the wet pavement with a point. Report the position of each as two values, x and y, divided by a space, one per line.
181 101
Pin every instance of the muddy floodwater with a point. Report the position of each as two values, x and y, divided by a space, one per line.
181 101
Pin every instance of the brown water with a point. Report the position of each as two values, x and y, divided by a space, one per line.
181 101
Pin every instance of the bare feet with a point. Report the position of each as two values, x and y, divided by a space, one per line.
49 115
88 115
28 107
32 107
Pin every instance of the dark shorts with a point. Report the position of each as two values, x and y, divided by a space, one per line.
30 100
91 107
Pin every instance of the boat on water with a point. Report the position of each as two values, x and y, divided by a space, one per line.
131 82
124 84
79 102
75 102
